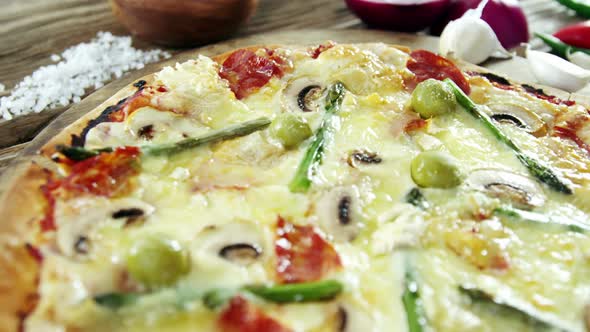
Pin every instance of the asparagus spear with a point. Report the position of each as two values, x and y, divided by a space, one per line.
543 173
416 198
313 156
303 292
540 218
241 129
117 300
77 153
237 130
509 307
412 302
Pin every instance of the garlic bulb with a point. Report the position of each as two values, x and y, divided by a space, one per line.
579 58
554 71
470 38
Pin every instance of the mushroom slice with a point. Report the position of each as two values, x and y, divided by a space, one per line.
237 242
302 94
338 212
518 189
77 219
518 116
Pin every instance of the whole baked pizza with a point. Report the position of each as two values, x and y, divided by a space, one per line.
338 187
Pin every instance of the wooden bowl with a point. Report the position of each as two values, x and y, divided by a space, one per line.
183 23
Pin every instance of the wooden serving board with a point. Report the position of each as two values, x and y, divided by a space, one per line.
513 68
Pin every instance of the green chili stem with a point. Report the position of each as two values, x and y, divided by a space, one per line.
580 7
558 47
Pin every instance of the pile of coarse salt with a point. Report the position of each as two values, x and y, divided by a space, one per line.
86 65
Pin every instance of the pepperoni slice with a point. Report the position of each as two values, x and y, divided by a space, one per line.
302 254
242 316
425 65
247 72
104 175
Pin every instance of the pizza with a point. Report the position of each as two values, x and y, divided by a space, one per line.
338 187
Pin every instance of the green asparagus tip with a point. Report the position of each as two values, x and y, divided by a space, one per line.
302 292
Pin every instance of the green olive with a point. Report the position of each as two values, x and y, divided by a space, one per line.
432 97
290 130
157 261
435 169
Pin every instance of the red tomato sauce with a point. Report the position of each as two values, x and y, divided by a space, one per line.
140 99
316 51
247 71
539 93
569 132
302 254
242 316
104 175
414 125
425 65
34 252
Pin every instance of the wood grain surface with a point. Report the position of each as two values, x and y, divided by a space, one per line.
32 30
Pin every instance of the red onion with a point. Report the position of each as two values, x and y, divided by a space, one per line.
504 16
399 15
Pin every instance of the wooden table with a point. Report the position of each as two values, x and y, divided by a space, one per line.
32 30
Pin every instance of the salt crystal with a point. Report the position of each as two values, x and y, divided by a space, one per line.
84 66
2 87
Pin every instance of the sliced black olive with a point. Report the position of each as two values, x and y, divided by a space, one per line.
128 213
363 156
241 253
306 96
82 245
344 210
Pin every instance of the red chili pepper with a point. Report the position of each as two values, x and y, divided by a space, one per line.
577 35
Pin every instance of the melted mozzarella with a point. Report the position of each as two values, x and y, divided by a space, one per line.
246 180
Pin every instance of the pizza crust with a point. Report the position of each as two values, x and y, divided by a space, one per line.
19 271
23 203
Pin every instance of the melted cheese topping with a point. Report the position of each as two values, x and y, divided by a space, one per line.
241 185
